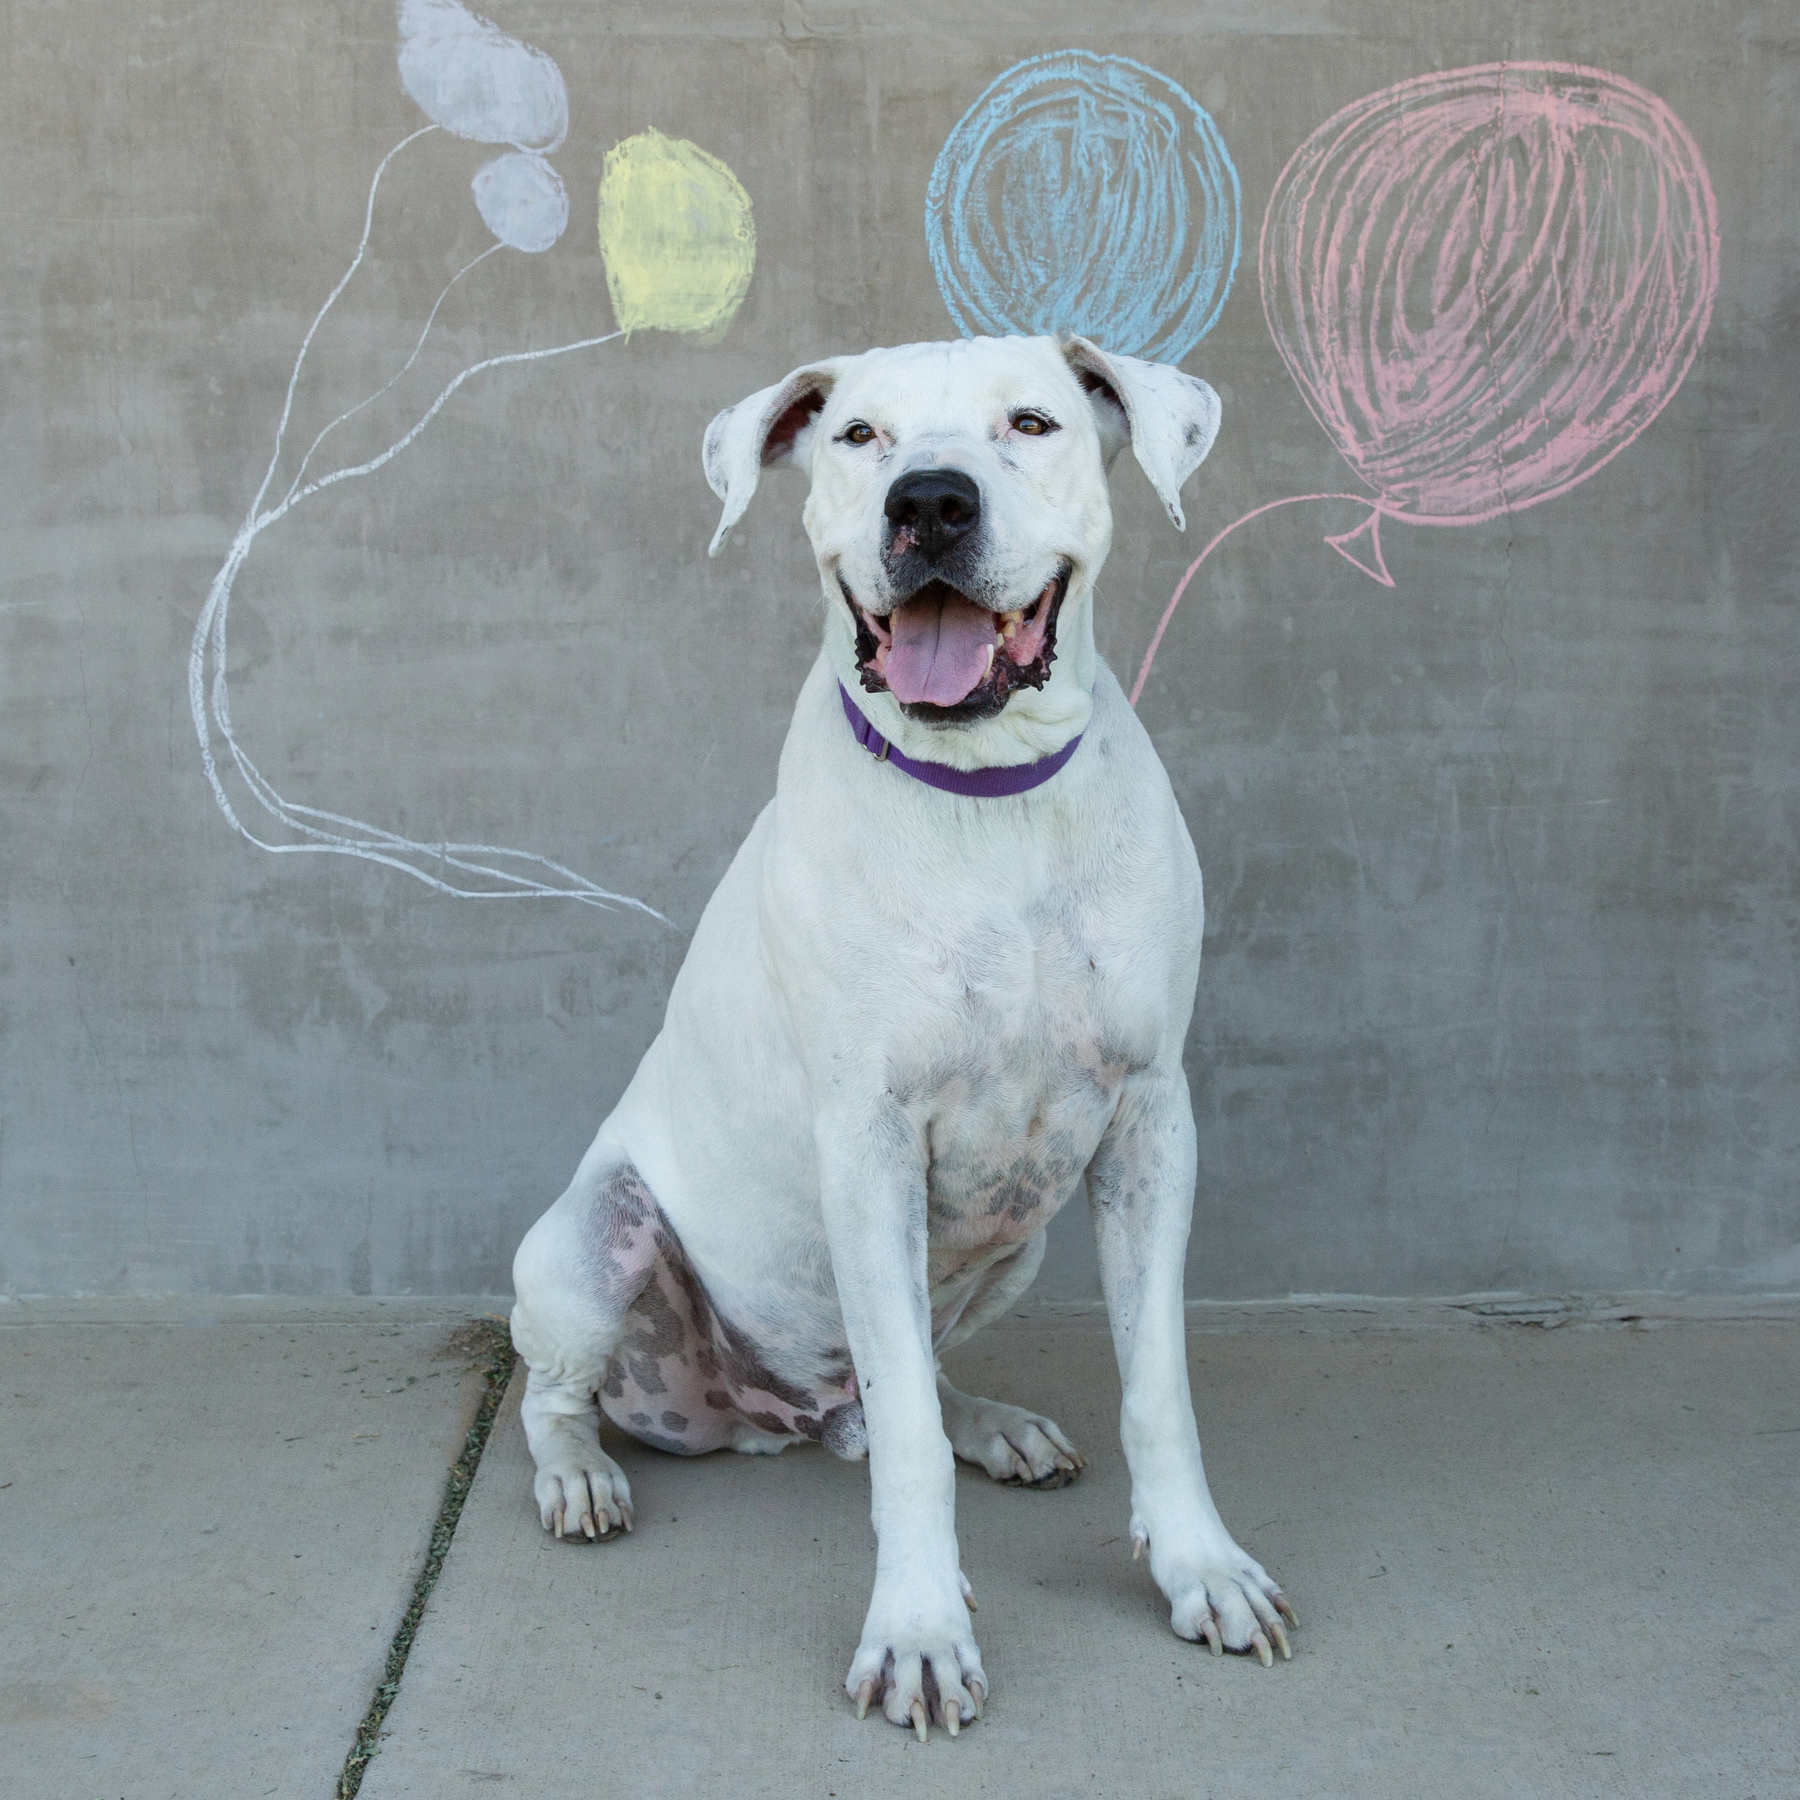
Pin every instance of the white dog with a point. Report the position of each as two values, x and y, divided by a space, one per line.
948 975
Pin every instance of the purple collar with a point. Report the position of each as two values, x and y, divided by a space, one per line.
975 784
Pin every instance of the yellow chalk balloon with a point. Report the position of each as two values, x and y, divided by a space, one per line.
676 237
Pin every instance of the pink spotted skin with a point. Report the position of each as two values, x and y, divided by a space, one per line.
685 1380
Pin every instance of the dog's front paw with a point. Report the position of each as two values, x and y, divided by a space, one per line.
1226 1599
919 1663
583 1494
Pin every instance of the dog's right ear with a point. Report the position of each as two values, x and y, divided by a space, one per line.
1169 417
763 432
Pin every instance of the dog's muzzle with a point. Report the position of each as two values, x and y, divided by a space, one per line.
942 649
948 658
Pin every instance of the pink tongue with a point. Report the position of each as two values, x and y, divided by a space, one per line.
940 649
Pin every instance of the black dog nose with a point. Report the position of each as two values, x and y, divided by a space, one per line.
939 506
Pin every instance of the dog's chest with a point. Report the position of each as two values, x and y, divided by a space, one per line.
1015 1074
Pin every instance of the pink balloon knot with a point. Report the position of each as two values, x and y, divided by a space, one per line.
1362 547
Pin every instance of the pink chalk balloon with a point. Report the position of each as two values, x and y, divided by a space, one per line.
1487 282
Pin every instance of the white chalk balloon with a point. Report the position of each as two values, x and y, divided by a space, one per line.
521 200
474 80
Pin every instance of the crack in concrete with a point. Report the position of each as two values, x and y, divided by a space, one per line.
489 1344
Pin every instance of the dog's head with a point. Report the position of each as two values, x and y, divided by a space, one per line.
959 516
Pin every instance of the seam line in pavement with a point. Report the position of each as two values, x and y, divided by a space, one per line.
490 1343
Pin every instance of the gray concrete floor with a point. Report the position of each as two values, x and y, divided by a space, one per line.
208 1533
1528 1562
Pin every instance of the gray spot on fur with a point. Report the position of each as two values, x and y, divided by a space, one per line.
621 1208
680 1358
655 1328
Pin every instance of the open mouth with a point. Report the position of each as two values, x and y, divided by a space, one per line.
946 658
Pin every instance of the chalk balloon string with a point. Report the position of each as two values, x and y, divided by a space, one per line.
1353 546
507 873
399 374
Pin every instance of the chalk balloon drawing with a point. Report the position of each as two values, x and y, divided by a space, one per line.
471 79
468 76
677 237
1090 194
475 82
1485 283
522 201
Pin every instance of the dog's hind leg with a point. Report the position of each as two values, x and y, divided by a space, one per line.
1011 1444
576 1275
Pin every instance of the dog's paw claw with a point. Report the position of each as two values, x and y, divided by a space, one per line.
919 1673
585 1500
1017 1448
1229 1603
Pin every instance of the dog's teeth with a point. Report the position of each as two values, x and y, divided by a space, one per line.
989 663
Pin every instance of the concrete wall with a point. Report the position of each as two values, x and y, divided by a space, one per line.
1503 934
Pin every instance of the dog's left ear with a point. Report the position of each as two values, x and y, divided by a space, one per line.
767 430
1170 419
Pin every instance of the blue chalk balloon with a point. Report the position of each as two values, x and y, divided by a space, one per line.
1088 194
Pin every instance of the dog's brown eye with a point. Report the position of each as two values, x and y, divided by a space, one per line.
859 432
1032 424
